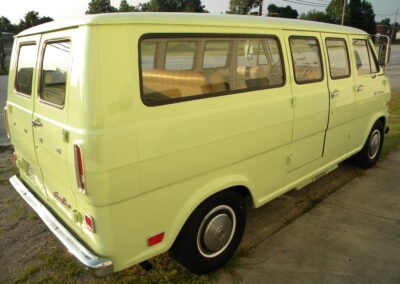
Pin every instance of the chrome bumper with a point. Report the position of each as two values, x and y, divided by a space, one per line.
101 266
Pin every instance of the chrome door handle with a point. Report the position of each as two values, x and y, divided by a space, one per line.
335 93
36 123
360 88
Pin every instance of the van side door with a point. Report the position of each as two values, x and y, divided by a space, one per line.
341 95
310 97
21 86
369 85
50 118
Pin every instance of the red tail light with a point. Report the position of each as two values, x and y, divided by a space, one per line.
79 168
89 223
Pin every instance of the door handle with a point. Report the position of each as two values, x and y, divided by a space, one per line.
36 123
335 93
360 88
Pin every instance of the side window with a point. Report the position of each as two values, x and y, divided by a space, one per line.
306 56
339 65
25 65
365 60
251 53
216 54
54 72
372 59
180 55
148 51
258 66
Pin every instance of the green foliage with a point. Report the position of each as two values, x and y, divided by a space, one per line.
173 6
367 23
100 6
282 12
385 22
31 19
242 7
314 15
125 7
6 25
335 10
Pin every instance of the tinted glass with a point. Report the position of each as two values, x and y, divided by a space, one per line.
306 60
215 54
26 63
54 72
257 65
338 60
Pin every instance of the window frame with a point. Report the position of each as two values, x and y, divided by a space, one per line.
369 49
40 86
27 43
206 35
347 53
320 59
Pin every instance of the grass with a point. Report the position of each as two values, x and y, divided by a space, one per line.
392 139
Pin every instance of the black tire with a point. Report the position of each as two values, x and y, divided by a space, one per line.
370 153
202 246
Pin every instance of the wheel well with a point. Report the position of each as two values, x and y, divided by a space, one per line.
245 192
383 120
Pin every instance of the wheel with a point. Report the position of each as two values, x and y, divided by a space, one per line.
371 151
212 233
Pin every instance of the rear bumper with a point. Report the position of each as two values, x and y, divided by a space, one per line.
102 266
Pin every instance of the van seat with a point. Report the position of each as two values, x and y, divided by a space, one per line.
175 84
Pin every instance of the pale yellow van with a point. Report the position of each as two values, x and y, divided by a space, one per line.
137 134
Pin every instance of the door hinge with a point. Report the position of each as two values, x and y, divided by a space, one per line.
293 101
65 135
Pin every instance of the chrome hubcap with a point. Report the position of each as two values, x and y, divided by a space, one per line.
374 144
216 231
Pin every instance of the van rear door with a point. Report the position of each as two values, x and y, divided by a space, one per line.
50 118
20 99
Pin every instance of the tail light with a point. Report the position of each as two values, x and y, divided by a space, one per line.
6 125
80 168
89 222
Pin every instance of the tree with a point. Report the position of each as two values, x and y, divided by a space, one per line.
335 10
125 7
6 26
385 22
356 14
100 6
282 12
173 6
32 19
368 23
242 7
314 15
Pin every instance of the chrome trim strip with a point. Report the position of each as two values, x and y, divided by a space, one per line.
102 266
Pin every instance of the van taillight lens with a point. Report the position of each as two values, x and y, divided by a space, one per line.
80 168
6 125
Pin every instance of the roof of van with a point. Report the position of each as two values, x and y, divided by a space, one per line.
195 19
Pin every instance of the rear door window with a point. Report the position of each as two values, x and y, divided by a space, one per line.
25 65
54 72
